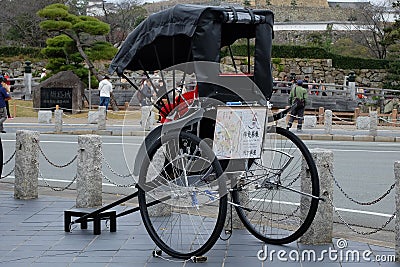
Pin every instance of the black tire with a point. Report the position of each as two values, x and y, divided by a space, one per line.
268 209
182 196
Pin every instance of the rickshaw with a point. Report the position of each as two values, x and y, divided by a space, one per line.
192 169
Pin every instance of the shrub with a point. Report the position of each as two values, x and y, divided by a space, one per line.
292 51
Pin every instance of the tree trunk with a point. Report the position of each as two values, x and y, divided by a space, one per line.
113 102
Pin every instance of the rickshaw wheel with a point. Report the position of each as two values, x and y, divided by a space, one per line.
182 196
271 204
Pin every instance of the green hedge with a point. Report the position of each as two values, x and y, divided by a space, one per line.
13 51
291 51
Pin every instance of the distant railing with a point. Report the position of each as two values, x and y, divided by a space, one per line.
331 89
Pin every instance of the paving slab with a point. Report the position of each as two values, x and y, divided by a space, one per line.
35 237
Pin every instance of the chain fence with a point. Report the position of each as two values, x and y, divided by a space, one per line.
361 203
54 164
341 123
70 162
7 162
57 189
108 165
352 226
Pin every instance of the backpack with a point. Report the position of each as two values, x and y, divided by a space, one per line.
299 102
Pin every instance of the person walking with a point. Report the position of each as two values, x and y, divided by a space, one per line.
8 82
297 98
4 95
146 93
105 87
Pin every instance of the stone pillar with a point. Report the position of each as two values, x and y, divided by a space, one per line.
58 120
397 220
352 90
320 231
373 123
89 172
26 164
328 121
101 124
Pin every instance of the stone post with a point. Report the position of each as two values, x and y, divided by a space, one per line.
89 173
101 124
320 231
352 90
26 165
397 220
328 121
58 120
373 123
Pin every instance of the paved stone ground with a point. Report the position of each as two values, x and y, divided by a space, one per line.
31 234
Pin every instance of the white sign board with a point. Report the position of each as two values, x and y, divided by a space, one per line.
239 132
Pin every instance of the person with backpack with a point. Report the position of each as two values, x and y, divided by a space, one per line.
4 95
145 97
297 98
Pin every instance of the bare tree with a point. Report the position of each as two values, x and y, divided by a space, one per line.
20 24
123 18
371 22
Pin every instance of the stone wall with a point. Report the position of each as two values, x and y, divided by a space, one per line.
311 14
16 69
316 69
306 37
322 69
306 3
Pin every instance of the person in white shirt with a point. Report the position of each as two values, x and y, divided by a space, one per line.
43 74
105 88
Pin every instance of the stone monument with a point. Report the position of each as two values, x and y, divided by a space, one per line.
64 89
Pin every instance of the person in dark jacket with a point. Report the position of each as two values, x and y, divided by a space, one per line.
147 92
4 95
298 98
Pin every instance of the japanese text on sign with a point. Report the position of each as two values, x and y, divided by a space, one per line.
239 132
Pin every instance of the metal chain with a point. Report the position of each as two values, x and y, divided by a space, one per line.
58 189
8 174
55 165
12 156
357 231
387 121
118 185
114 172
336 117
367 203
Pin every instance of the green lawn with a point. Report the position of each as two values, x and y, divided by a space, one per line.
24 108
